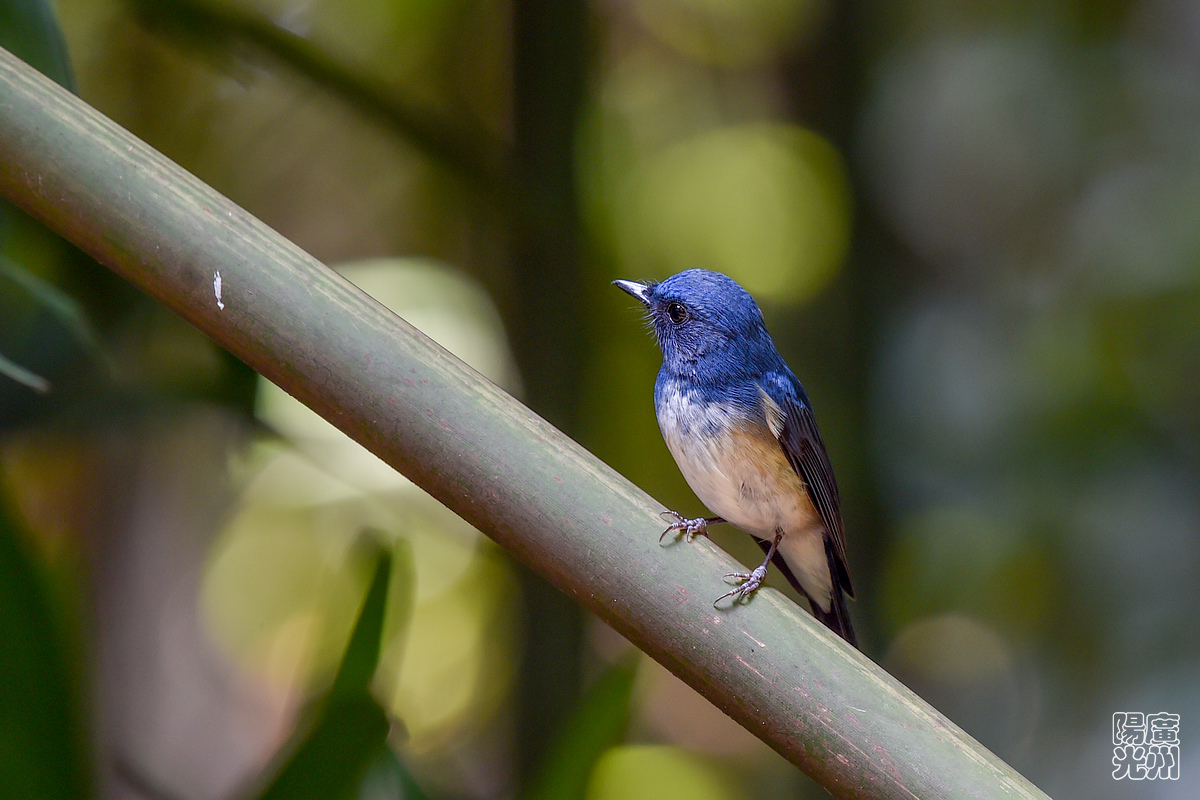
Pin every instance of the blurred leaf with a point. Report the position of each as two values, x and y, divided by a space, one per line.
388 777
362 653
23 376
29 30
59 304
331 760
349 729
40 737
597 726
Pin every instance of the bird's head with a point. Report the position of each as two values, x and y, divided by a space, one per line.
698 316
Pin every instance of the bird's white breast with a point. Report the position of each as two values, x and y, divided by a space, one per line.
736 467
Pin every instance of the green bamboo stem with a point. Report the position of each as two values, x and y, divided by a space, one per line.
768 664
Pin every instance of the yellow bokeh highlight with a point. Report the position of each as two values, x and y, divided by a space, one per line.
458 653
731 32
767 204
280 597
657 772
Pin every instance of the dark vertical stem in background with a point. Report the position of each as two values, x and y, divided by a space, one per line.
550 58
550 67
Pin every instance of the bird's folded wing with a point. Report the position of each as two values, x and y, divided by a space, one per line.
805 451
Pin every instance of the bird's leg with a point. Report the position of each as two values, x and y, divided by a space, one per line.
750 581
691 527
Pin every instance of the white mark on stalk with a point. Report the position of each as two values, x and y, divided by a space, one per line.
751 638
217 289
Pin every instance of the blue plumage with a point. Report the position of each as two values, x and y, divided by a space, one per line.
740 427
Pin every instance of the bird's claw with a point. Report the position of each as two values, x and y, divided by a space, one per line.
750 581
691 528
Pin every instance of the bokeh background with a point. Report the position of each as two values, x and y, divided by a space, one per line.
974 230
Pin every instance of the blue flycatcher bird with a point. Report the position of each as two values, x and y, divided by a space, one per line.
741 429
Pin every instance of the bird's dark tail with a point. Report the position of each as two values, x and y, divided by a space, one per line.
837 618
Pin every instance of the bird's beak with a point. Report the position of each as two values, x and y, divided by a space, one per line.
636 289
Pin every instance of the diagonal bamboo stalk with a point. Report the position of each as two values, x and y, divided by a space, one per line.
767 664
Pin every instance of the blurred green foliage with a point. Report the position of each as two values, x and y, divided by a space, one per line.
598 724
41 741
973 231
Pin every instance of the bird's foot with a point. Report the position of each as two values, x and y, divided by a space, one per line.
750 581
690 528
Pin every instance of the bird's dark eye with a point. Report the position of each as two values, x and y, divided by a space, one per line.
677 312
